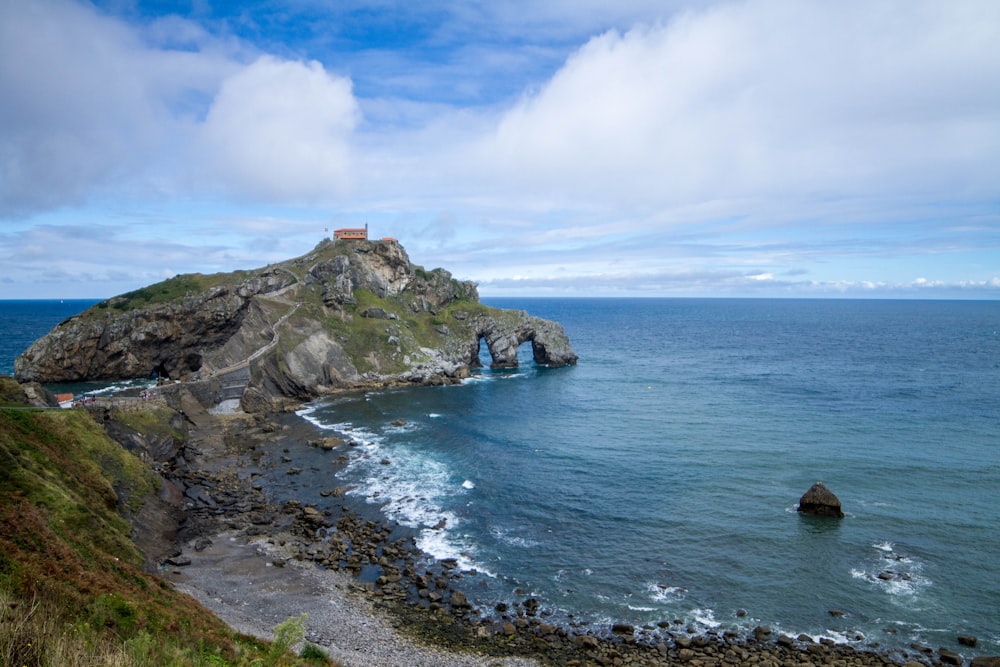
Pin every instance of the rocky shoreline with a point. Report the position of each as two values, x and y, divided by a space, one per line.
373 598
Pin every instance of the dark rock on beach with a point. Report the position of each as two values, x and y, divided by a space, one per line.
820 501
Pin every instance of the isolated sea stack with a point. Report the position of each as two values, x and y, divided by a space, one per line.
820 501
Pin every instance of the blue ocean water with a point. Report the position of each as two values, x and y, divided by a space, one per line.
657 479
22 321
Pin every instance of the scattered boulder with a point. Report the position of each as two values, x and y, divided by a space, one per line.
820 501
985 661
948 657
623 629
327 443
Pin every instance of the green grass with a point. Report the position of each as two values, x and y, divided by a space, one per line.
11 393
72 588
168 290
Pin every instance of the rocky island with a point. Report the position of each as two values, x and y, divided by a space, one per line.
350 314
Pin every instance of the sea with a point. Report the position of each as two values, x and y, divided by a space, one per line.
657 480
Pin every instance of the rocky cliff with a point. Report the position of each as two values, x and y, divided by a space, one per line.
348 314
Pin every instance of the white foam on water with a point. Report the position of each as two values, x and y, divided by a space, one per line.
476 378
117 387
468 484
309 414
400 429
442 544
898 575
832 635
662 593
434 415
504 535
411 489
704 619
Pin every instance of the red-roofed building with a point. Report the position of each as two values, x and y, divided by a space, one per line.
351 233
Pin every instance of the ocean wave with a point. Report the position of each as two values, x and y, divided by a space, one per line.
901 576
662 593
443 544
504 535
704 619
412 489
113 388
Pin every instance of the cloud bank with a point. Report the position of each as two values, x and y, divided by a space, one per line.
745 145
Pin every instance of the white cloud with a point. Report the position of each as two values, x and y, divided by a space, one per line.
765 98
668 147
281 130
71 110
91 105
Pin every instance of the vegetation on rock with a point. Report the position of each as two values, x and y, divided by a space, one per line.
72 587
346 315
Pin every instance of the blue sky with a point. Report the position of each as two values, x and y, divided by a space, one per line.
636 148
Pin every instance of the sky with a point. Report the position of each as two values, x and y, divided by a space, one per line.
712 148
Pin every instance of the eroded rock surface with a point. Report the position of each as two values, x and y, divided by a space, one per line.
349 314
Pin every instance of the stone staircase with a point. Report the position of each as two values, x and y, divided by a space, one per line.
234 382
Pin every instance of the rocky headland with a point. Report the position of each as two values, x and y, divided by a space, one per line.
350 314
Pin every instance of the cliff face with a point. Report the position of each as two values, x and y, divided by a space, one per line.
348 314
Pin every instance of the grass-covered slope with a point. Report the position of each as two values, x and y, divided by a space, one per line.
72 588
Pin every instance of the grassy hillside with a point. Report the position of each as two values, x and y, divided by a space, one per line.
72 589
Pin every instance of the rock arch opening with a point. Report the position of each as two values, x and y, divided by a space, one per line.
506 353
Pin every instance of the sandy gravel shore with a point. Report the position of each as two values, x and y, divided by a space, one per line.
239 583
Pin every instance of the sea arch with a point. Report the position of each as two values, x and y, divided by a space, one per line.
503 337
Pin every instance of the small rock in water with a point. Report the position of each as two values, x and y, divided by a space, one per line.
948 657
820 501
967 640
